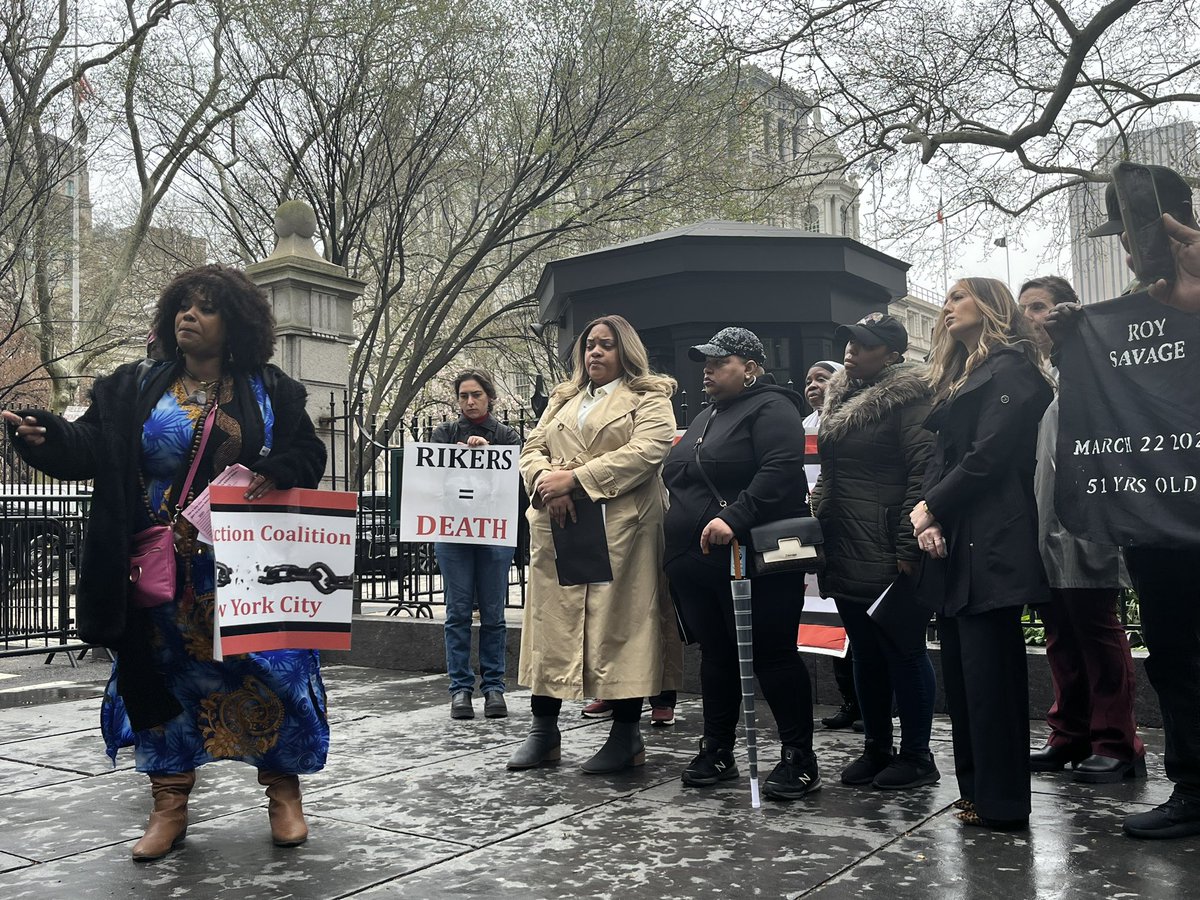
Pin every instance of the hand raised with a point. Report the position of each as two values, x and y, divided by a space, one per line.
28 428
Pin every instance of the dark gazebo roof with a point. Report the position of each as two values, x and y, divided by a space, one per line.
724 249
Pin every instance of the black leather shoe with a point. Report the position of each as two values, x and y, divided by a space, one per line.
460 706
1178 817
1098 769
844 717
1053 759
494 706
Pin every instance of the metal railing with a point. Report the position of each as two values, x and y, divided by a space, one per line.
42 524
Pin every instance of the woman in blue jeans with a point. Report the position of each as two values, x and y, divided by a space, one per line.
475 575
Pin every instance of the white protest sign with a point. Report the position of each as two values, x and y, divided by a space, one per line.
285 569
459 494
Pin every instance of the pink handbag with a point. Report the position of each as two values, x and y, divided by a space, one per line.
152 552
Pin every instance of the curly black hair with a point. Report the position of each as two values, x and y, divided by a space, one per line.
249 322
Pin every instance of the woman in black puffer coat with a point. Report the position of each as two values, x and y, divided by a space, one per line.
873 452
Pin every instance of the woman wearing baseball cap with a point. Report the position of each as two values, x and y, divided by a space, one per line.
747 442
873 449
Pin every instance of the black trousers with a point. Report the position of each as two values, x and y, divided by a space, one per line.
1169 597
705 604
987 691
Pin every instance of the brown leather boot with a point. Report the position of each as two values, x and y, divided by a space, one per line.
288 828
168 819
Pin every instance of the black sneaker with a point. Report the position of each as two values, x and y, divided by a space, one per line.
864 769
844 717
712 764
795 776
1178 817
909 769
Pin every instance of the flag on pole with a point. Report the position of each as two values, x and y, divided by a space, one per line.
821 628
1001 241
940 218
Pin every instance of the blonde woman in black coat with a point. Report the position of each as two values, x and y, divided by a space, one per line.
977 524
874 448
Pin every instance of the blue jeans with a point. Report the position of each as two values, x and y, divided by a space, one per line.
474 575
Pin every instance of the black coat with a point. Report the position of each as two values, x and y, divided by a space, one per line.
490 429
874 449
104 445
754 453
979 486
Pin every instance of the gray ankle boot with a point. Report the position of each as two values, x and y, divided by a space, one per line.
624 748
542 745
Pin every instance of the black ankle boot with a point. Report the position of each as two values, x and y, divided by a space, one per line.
624 748
874 760
542 745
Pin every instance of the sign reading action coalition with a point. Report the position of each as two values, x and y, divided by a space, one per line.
459 494
285 569
1129 425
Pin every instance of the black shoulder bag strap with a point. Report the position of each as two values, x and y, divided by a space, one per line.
699 465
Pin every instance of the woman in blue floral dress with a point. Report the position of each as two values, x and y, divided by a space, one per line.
168 698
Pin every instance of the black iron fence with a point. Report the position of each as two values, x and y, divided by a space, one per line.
41 531
403 575
42 524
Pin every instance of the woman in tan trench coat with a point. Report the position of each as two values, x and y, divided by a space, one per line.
603 438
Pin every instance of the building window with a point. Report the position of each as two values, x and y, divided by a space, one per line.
768 134
812 219
781 131
70 188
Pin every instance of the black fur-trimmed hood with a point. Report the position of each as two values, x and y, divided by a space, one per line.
897 386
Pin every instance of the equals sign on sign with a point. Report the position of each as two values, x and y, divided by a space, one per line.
466 494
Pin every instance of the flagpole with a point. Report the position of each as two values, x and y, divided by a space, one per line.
77 178
945 255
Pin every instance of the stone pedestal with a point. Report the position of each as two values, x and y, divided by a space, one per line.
313 304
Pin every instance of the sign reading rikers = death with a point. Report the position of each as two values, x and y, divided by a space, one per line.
457 494
285 569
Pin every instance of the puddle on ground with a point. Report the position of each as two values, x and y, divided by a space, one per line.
34 696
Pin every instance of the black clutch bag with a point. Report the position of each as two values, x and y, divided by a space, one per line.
785 545
788 545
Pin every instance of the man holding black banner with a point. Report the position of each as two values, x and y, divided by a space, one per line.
1129 472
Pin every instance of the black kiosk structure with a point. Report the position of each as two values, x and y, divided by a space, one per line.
790 286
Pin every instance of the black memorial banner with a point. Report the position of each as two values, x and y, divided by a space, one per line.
1128 451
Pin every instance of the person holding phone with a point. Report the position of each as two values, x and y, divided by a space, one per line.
1165 578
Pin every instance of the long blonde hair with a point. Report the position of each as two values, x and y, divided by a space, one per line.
632 353
1004 325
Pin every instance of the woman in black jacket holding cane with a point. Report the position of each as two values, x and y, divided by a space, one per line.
751 449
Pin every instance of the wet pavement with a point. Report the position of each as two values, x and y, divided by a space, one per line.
413 804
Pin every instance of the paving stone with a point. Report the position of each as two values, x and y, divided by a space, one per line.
633 849
232 858
414 804
19 776
46 720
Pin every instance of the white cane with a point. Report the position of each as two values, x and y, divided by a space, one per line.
740 587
